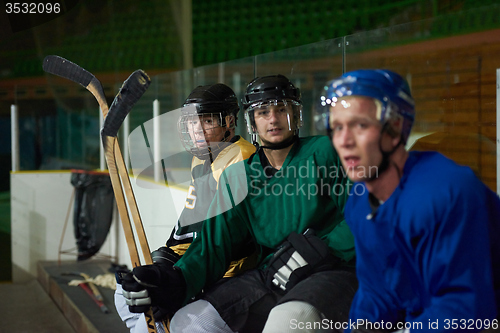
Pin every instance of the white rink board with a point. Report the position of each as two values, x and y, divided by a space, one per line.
160 207
39 205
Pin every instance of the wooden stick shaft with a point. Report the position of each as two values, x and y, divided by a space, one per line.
94 89
139 227
110 144
132 203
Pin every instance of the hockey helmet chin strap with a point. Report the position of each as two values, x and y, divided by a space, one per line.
282 145
384 165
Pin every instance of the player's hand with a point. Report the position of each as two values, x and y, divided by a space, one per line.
158 285
166 256
136 296
297 258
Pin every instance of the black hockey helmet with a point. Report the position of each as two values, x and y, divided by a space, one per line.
267 90
215 98
272 87
217 101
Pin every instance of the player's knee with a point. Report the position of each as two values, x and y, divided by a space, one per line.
198 317
293 316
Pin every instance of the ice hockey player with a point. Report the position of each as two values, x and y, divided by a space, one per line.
207 130
427 231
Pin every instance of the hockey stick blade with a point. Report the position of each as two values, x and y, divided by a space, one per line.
131 91
64 68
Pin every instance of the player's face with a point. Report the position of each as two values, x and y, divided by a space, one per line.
204 129
356 136
274 123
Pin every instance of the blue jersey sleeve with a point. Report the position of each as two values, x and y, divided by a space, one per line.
455 260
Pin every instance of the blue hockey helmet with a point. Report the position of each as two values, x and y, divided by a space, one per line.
389 88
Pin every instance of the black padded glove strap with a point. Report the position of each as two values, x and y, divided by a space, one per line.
311 248
297 258
165 255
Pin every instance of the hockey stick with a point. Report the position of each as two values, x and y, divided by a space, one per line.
71 71
91 289
92 286
66 69
130 92
97 301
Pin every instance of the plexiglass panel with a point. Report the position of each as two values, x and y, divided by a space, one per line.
454 90
453 81
308 67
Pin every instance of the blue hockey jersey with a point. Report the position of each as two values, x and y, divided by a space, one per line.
430 255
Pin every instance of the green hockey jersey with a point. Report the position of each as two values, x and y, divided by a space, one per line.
309 191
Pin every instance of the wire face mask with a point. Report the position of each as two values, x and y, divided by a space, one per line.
203 134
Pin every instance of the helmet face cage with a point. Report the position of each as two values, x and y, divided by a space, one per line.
294 122
385 87
195 127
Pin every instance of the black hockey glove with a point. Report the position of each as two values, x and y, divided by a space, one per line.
167 256
297 258
159 284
